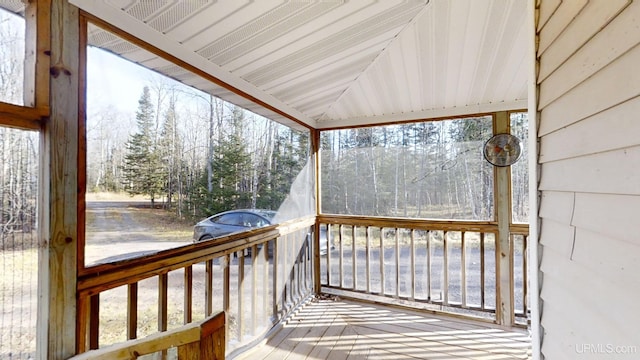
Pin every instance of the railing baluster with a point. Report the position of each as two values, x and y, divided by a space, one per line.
397 240
226 288
463 269
525 249
94 321
132 311
254 286
368 259
482 272
163 291
428 265
295 285
301 264
265 276
308 269
275 273
329 241
445 269
240 294
188 294
354 269
341 261
382 270
510 269
208 287
285 278
412 297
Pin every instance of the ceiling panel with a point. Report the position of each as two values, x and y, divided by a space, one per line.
335 63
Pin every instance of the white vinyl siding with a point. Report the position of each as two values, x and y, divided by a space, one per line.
589 155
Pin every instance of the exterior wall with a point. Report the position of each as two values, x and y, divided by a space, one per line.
589 156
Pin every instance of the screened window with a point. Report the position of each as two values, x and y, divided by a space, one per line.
430 170
18 242
163 155
12 53
520 170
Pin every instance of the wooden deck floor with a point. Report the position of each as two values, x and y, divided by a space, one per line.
327 329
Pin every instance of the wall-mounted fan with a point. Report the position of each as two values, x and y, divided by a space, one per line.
503 149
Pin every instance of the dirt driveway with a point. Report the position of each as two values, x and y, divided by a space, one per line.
122 229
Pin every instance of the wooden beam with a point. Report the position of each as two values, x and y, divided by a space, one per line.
56 322
37 50
504 268
21 117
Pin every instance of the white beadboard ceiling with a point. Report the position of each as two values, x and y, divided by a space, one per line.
333 63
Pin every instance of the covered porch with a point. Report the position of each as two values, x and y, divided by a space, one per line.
404 271
334 328
394 284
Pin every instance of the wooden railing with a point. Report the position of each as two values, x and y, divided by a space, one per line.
202 340
448 266
256 278
259 277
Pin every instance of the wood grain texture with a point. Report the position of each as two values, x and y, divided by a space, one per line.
58 184
197 341
341 329
21 117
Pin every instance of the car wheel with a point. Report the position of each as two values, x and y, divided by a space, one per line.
205 237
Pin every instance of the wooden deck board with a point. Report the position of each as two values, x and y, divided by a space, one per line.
349 330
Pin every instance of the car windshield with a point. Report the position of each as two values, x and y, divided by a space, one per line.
269 214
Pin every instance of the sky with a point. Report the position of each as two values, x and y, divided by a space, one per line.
112 80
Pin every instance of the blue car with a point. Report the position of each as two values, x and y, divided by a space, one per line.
234 221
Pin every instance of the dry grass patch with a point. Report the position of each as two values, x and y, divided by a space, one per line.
163 224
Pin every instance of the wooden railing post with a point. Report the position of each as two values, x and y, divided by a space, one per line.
211 345
58 185
204 340
504 269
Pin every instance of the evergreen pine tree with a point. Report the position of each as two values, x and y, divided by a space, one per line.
169 146
142 169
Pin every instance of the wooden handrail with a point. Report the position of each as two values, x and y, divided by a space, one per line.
108 276
290 276
198 340
416 224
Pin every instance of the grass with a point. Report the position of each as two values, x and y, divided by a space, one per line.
164 224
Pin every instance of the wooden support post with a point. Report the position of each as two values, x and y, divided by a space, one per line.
504 273
315 151
58 212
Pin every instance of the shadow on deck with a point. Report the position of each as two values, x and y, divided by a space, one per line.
328 329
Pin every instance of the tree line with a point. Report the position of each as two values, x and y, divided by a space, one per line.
18 148
193 153
419 170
